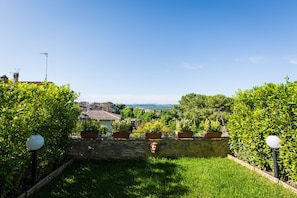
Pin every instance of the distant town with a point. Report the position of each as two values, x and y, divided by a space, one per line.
113 108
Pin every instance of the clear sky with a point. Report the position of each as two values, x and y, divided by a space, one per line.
150 51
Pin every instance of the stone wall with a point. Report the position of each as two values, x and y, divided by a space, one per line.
128 149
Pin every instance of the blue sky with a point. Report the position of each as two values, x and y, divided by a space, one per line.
150 51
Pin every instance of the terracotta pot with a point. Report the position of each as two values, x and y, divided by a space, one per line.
212 134
185 134
89 134
125 135
155 135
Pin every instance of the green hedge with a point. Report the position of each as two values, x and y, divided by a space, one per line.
27 109
270 109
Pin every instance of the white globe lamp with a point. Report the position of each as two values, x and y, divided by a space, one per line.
35 142
274 143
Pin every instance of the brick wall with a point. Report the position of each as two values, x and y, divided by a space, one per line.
128 149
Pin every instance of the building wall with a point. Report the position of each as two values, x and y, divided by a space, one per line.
129 149
106 123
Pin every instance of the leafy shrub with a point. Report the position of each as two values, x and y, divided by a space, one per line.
153 126
184 125
211 125
167 131
121 125
88 125
28 109
270 109
103 129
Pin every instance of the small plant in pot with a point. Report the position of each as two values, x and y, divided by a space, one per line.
211 128
184 128
153 130
89 128
121 128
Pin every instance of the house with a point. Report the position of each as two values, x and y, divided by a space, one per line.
105 117
15 79
106 106
4 78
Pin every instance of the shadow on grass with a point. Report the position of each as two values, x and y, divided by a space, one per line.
119 178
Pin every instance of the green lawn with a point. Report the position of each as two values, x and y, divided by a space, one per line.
182 177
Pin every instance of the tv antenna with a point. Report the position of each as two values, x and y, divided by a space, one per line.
46 60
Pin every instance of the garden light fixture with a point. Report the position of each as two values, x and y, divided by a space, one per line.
34 143
274 143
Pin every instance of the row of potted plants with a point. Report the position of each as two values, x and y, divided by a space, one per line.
151 130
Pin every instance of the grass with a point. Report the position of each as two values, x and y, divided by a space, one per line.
160 177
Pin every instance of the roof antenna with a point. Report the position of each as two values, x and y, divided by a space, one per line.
46 60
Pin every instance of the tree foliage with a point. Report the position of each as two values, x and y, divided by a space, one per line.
199 107
121 106
138 113
169 117
127 112
195 107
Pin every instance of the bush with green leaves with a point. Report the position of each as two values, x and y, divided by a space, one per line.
28 109
103 129
121 125
153 126
184 125
266 110
211 125
88 125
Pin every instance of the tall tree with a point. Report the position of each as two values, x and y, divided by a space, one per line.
149 116
191 106
199 107
127 112
138 113
121 106
219 102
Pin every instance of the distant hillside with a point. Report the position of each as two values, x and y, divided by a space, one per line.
151 106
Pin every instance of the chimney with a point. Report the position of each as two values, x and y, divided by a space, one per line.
15 77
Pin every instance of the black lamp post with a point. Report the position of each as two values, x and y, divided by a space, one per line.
34 143
273 142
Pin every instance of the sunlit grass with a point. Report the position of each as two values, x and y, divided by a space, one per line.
183 177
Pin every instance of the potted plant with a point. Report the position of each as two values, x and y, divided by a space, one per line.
121 128
153 130
211 128
184 128
89 128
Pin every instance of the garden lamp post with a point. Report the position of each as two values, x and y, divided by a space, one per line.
34 143
273 142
